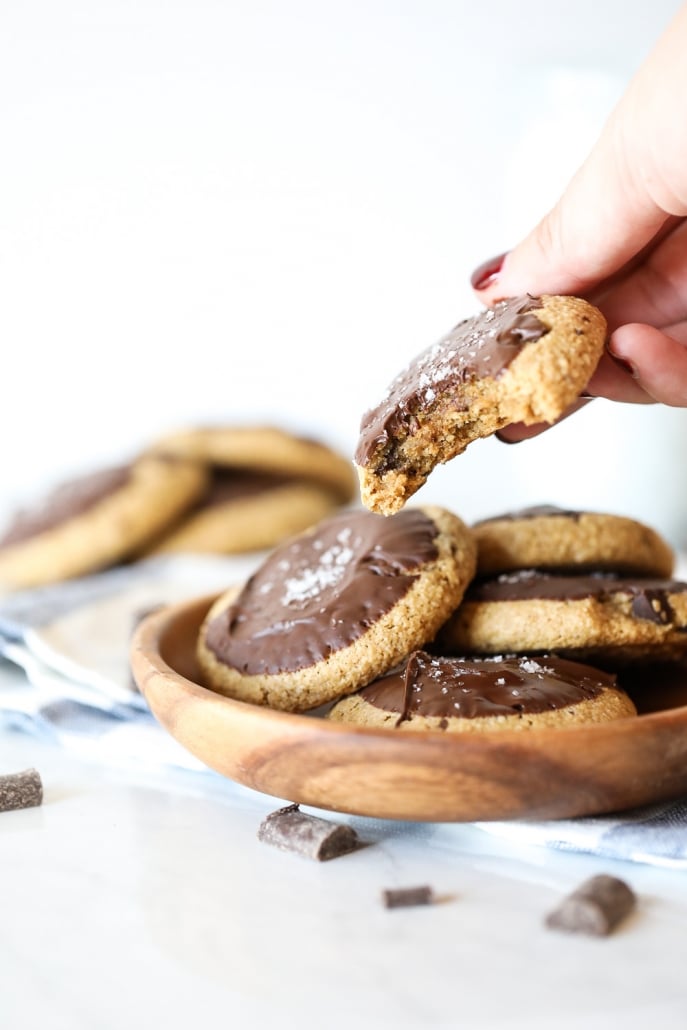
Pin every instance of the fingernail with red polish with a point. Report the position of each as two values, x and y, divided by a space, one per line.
487 273
504 439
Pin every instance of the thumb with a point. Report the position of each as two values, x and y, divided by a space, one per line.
633 179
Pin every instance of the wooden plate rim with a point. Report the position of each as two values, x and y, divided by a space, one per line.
146 657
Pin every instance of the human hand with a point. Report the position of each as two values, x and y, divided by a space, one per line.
618 236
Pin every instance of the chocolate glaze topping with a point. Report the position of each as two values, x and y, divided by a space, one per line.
534 512
232 484
319 592
472 688
479 347
650 597
65 502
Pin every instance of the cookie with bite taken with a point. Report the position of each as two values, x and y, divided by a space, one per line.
525 360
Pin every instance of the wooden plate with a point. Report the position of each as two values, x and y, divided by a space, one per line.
424 776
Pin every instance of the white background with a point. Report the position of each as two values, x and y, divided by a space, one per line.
250 211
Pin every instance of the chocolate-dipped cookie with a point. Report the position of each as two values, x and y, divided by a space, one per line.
547 537
332 609
525 360
265 485
600 617
96 520
473 695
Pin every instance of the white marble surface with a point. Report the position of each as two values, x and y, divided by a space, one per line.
133 898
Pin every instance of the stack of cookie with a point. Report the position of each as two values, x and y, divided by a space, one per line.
415 621
223 490
575 601
589 586
263 485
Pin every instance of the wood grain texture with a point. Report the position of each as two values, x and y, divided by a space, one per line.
543 774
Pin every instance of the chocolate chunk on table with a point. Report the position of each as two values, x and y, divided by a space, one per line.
404 897
292 830
20 790
594 908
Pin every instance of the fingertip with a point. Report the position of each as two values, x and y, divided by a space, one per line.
517 432
508 435
616 379
526 268
486 275
658 360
